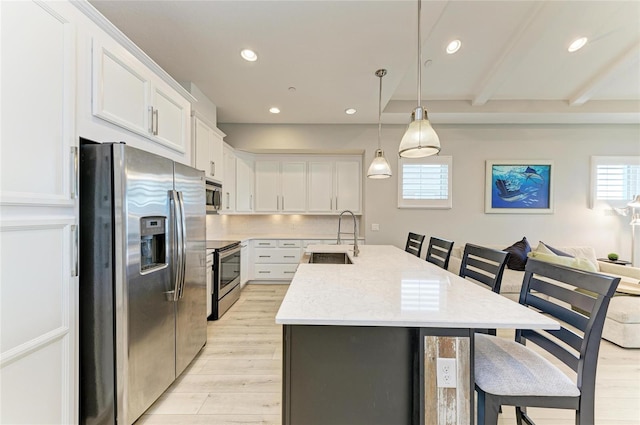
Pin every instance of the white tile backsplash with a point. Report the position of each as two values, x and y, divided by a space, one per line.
220 225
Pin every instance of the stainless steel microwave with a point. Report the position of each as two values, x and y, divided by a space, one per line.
214 197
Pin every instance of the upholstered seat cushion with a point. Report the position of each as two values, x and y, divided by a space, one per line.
505 367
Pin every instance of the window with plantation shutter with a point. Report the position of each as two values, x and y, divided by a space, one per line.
425 182
615 180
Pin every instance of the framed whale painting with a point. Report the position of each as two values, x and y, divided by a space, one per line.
520 187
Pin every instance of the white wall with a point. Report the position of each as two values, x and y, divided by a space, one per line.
569 146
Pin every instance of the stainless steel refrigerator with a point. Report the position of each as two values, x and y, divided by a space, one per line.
142 278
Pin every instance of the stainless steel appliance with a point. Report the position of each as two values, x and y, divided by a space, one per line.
142 278
226 276
214 197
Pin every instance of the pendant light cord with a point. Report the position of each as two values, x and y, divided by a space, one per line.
419 55
380 111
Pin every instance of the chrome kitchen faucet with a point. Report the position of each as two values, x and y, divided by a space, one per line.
356 251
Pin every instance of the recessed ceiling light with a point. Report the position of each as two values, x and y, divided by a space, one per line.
454 46
577 44
274 110
249 55
350 111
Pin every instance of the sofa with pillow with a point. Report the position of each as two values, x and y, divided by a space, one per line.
622 325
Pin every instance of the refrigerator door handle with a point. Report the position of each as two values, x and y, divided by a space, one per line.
183 244
177 246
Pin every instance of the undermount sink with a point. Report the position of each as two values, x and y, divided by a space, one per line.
329 258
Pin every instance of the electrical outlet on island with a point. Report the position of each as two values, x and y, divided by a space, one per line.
446 372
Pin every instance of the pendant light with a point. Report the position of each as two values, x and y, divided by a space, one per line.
379 168
420 139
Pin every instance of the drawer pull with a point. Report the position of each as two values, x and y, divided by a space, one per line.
289 272
264 243
289 244
264 256
289 256
264 272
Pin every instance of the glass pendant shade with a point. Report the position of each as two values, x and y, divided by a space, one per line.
379 168
420 139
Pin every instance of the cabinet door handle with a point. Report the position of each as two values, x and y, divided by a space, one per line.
228 201
331 203
282 202
151 115
75 236
337 204
155 113
212 168
73 177
251 202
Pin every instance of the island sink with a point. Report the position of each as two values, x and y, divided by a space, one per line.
329 258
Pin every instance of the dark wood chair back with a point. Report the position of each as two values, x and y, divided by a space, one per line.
414 244
484 265
439 252
579 300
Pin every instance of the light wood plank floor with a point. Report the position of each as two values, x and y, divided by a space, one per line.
237 377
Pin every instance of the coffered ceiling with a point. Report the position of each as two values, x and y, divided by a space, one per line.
513 66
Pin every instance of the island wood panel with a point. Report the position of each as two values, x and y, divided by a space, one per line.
447 406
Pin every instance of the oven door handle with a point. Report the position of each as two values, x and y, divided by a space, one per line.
228 252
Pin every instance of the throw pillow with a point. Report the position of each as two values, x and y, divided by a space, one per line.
576 263
518 254
554 250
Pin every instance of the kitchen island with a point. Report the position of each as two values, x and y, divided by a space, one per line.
362 340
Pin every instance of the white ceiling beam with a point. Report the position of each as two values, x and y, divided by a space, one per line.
606 75
521 40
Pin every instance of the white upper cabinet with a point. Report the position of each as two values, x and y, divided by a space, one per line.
38 99
293 186
171 114
229 185
335 185
348 186
128 94
267 186
281 186
208 150
321 192
244 183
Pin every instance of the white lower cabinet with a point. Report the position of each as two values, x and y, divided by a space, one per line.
275 259
244 264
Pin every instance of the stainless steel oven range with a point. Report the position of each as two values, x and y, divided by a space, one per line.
226 276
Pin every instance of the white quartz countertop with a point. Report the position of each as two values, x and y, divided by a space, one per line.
386 286
301 236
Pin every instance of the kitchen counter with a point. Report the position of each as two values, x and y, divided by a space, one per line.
299 236
386 286
363 342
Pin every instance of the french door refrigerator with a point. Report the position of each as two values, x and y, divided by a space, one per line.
142 278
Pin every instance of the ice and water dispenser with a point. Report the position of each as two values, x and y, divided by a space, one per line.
152 243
